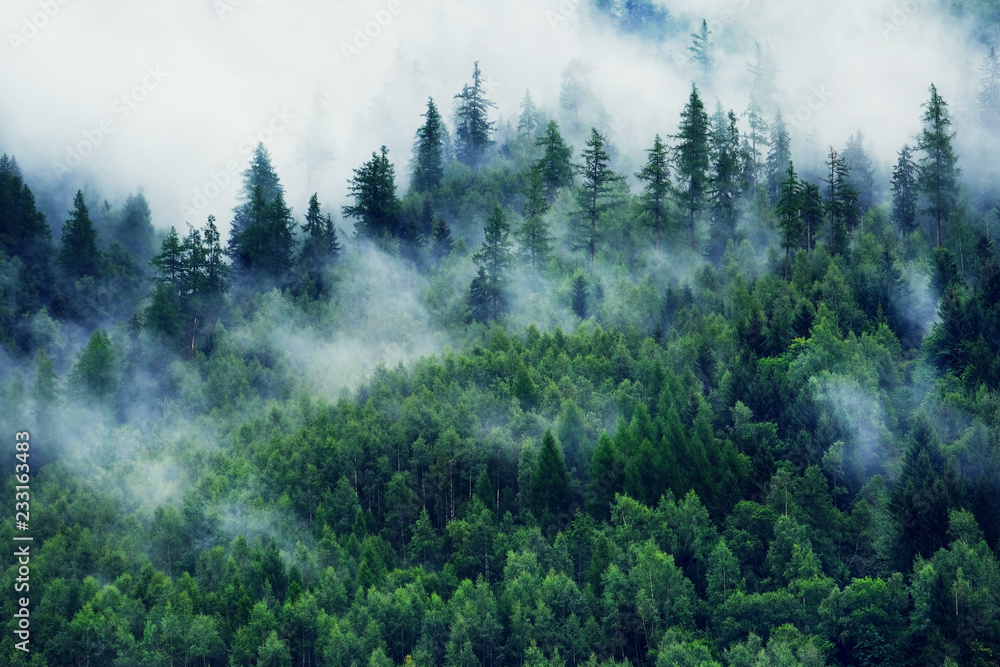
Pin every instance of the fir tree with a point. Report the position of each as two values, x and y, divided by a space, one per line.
841 202
428 151
78 251
473 130
319 245
550 490
580 296
533 235
528 122
554 165
593 197
169 262
904 190
376 208
812 212
692 156
135 229
23 230
764 73
937 174
757 140
488 292
658 189
860 175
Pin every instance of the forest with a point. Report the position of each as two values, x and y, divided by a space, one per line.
526 399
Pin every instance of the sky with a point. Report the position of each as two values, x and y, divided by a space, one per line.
118 95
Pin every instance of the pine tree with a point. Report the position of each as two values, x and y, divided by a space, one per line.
764 71
95 374
78 251
442 242
701 52
23 230
989 93
216 269
778 155
692 159
904 190
135 229
937 174
658 189
555 165
725 181
261 187
376 208
789 215
593 197
267 244
533 235
488 292
428 151
473 131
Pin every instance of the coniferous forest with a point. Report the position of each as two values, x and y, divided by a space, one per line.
520 395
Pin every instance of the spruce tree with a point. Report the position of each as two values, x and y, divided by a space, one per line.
473 131
376 208
764 73
555 164
812 213
692 156
135 229
937 175
252 225
23 230
904 190
658 189
860 175
169 262
319 245
580 296
841 202
533 235
593 197
756 140
428 151
488 292
78 251
550 489
528 122
95 374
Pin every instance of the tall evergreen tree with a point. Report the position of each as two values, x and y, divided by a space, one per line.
725 182
488 292
579 297
261 186
23 230
266 246
860 175
528 122
78 251
216 269
473 131
428 151
95 374
550 489
441 243
779 154
757 140
812 213
937 175
320 245
555 164
989 91
790 215
376 207
692 156
533 235
764 73
701 52
841 201
593 197
904 190
658 189
169 262
135 228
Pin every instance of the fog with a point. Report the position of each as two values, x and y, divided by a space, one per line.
167 96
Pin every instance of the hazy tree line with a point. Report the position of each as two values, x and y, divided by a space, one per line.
768 458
